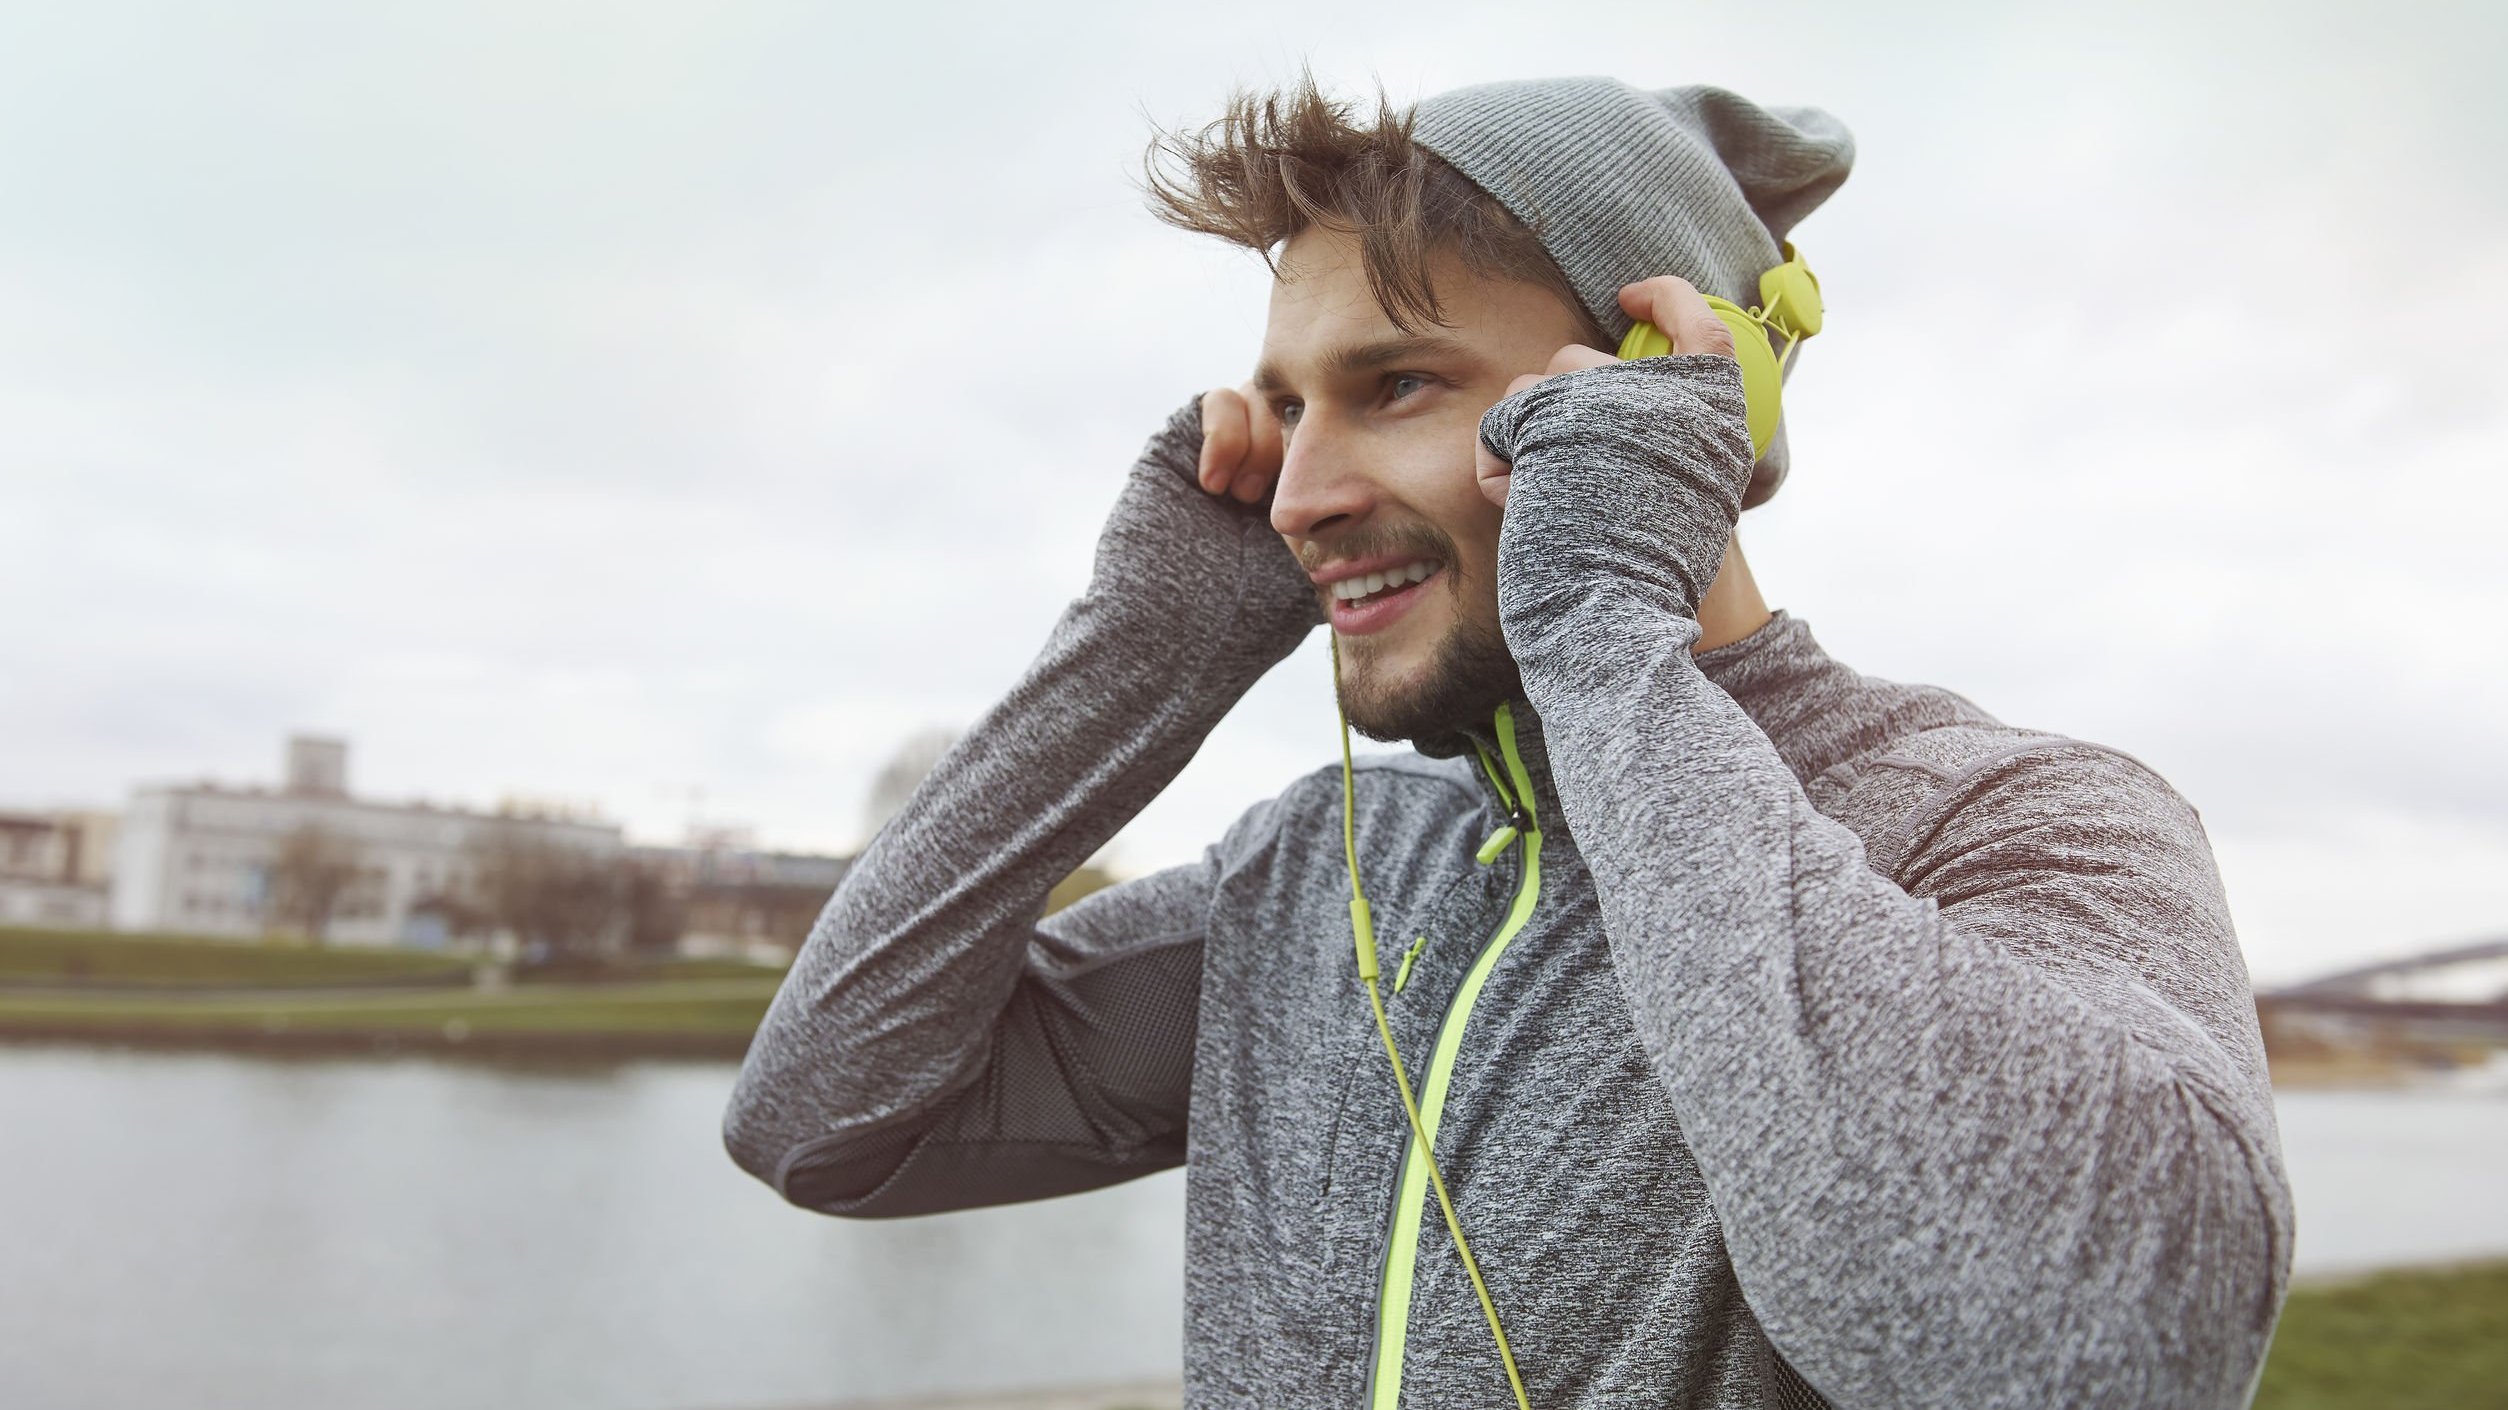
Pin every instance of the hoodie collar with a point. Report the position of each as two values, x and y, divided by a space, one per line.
1484 744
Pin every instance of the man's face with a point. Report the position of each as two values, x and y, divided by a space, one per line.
1376 487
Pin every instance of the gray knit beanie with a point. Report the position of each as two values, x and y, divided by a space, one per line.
1621 184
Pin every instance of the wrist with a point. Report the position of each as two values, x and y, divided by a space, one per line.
1176 446
1177 561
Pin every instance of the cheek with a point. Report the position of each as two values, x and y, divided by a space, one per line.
1437 477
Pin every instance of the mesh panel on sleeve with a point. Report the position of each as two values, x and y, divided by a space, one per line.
1122 1031
1787 1388
1086 1085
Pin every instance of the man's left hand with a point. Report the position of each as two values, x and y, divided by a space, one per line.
1667 301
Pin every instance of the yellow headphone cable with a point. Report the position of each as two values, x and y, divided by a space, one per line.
1363 932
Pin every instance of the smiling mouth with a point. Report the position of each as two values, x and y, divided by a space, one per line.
1368 588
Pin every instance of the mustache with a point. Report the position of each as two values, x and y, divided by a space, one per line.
1411 539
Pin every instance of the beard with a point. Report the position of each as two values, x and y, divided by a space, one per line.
1470 672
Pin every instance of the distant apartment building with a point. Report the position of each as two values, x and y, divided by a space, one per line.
54 868
204 858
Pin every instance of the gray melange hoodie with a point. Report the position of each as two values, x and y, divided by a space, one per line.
1820 1029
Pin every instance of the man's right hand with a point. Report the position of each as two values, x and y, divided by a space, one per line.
1193 520
1241 444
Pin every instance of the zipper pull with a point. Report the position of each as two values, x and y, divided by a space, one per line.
1503 838
1496 846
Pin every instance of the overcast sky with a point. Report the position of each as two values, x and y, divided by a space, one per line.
605 402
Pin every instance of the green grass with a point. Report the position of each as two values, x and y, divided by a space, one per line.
194 991
97 957
641 969
689 1018
731 1007
89 957
712 969
2434 1339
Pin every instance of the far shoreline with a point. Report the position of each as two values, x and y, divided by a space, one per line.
489 1046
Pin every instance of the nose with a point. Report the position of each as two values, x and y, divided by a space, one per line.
1323 484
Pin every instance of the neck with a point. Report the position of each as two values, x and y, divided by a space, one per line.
1732 608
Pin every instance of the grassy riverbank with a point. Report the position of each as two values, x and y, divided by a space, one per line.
101 959
686 1018
185 991
2425 1339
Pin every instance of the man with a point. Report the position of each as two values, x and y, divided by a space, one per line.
1781 1034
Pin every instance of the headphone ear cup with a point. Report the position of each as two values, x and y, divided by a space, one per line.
1763 382
1644 340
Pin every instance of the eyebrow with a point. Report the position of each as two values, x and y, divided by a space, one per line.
1362 357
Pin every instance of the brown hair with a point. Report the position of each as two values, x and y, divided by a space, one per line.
1275 164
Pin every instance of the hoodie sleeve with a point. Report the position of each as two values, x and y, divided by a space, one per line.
2004 1142
934 1046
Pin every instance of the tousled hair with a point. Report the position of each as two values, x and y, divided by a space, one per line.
1274 164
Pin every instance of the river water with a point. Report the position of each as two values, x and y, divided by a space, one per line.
211 1231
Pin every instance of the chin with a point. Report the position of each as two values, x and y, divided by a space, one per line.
1428 697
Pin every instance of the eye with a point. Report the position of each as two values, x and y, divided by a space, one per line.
1396 381
1286 412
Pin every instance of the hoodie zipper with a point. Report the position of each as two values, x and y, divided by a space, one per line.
1401 1252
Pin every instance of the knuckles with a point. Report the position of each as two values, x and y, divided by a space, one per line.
1575 357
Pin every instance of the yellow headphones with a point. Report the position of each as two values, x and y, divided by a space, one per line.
1789 302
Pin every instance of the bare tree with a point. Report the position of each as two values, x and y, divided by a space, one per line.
656 907
566 899
460 914
777 911
314 868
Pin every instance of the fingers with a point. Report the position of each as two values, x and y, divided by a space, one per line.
1669 302
1575 357
1263 450
1674 305
1240 445
1493 474
1225 436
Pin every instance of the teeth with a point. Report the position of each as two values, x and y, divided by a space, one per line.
1369 584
